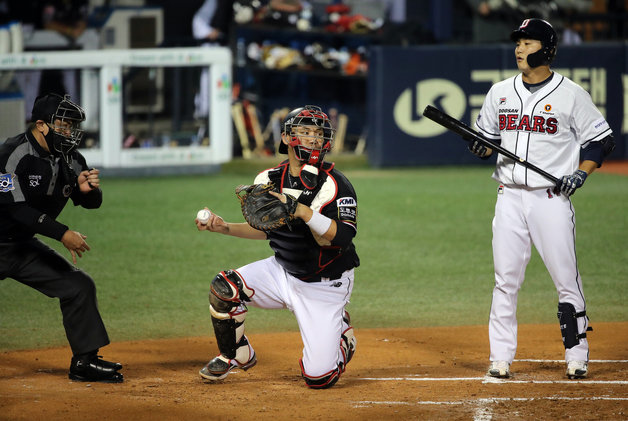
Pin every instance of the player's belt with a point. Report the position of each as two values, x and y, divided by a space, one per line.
318 278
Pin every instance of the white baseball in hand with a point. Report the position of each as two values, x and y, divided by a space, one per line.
203 216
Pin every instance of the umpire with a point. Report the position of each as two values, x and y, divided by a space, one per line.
38 174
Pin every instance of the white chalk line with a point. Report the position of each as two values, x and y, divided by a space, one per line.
495 400
483 406
563 361
489 379
483 401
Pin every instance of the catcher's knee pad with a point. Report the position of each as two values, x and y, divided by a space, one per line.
228 311
324 381
568 319
228 291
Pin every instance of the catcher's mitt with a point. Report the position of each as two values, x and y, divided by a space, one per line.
264 211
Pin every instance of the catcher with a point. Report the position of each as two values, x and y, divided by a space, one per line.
307 210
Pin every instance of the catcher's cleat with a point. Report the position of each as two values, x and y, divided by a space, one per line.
499 369
94 369
219 367
577 369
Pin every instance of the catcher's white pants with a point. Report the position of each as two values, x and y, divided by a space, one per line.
318 307
524 217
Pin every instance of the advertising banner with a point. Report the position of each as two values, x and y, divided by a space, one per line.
403 81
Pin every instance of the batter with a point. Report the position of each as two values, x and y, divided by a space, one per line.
551 122
312 270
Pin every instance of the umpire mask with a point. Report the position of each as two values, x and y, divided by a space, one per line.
63 117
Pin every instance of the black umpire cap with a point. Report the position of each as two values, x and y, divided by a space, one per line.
49 106
45 107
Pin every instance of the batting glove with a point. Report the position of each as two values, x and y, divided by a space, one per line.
478 149
569 183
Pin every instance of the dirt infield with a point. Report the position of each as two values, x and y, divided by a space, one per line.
615 167
426 373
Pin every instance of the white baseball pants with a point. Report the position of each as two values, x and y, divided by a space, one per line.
524 217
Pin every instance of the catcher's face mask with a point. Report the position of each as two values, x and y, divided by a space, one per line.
310 133
63 117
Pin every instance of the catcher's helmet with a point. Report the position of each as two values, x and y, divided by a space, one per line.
64 117
307 116
540 30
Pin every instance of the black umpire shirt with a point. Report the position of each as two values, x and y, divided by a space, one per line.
35 187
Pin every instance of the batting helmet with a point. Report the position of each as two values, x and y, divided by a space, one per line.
307 116
540 30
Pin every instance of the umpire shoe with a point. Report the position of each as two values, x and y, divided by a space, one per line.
577 369
220 366
499 369
93 368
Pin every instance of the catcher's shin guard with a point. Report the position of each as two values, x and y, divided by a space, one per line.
228 311
348 340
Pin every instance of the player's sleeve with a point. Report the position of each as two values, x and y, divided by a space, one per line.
262 178
34 220
487 122
588 122
591 128
201 22
13 204
344 210
90 200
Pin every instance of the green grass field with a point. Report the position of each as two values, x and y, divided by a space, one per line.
424 239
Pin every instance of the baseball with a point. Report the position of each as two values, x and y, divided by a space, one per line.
203 216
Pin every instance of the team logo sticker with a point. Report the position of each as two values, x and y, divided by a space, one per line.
347 209
6 182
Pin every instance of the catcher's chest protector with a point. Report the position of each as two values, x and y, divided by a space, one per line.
276 175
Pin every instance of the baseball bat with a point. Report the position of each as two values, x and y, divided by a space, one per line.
237 114
469 134
251 110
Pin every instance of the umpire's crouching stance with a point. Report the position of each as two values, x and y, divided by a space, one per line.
38 173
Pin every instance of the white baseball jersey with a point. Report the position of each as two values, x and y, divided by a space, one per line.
546 128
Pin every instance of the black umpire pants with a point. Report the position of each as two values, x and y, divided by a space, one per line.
35 264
